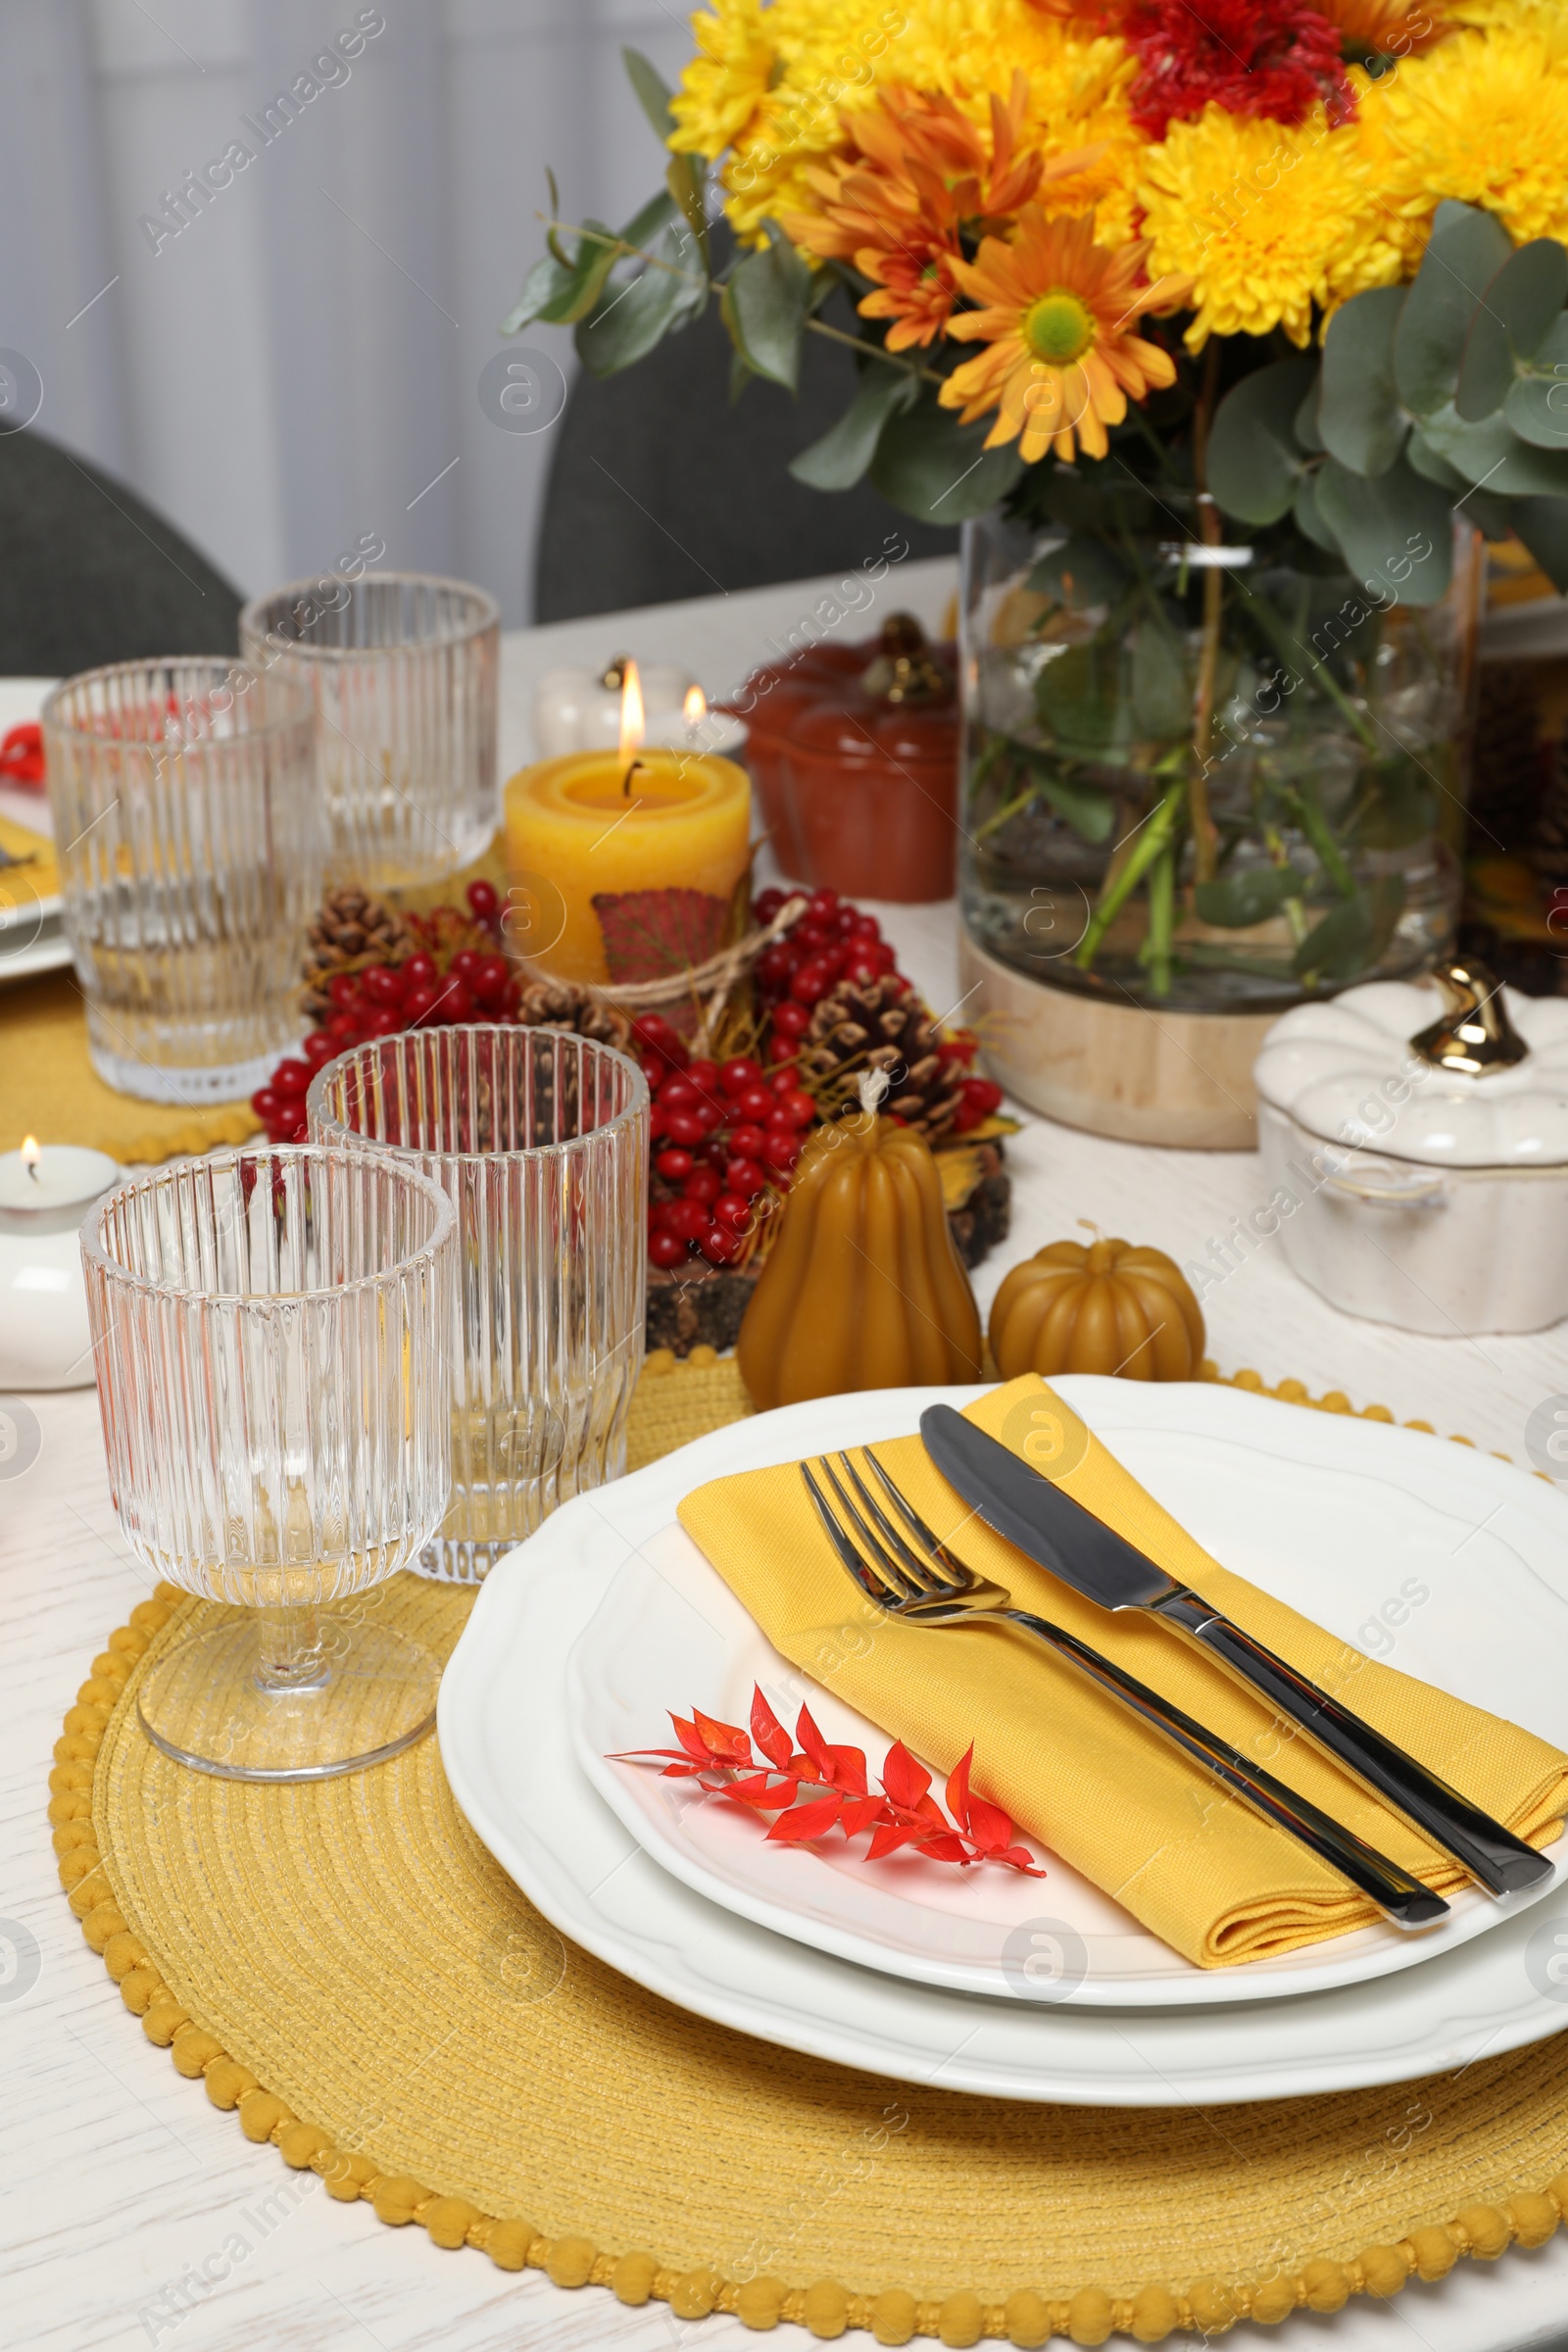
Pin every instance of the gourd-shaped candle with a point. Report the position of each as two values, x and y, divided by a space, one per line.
1109 1307
863 1289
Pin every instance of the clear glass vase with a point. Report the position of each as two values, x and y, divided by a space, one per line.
1203 776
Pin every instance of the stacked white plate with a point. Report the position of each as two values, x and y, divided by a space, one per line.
1450 1564
33 935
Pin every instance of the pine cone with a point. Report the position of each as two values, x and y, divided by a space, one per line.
880 1026
564 1004
351 931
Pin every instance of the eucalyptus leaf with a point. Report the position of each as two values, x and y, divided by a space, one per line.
1420 454
683 177
573 290
1537 405
1088 811
1310 521
1464 253
938 472
1078 694
1161 688
655 214
1396 532
1358 411
1543 524
1079 573
1491 453
653 92
1254 459
841 456
1511 323
1236 902
1095 494
546 283
1304 423
633 318
766 298
1351 937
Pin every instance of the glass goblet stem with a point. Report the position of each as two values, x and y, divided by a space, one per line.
293 1651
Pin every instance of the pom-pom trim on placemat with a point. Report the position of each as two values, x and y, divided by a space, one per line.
826 2307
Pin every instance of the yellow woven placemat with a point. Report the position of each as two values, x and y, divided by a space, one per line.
347 1969
53 1092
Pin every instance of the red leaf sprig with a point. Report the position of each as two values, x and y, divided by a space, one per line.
819 1786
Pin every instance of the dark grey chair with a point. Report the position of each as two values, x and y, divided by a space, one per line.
661 487
91 574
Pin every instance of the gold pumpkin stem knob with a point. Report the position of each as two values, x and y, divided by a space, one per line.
1473 1035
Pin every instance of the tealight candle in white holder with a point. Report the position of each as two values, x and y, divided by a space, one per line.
694 727
45 1193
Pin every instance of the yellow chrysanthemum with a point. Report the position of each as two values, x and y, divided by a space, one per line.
728 80
1056 314
1265 221
1481 117
772 83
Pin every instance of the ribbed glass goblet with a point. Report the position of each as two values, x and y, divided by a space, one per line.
271 1328
540 1137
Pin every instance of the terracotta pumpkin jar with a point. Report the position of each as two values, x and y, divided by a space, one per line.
1109 1307
863 1289
854 749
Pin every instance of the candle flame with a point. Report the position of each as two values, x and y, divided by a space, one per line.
633 719
694 709
30 1155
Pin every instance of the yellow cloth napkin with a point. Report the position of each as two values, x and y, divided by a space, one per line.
1199 1867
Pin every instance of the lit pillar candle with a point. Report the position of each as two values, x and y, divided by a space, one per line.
44 1195
629 865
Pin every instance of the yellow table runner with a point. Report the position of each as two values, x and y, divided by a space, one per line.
346 1971
1197 1866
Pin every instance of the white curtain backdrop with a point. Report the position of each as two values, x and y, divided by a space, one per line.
286 360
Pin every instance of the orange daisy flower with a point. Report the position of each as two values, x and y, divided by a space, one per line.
1055 312
920 177
1393 28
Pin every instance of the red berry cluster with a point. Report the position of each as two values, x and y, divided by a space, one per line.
835 941
832 941
722 1134
388 998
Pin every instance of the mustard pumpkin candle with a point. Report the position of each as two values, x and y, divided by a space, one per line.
864 1288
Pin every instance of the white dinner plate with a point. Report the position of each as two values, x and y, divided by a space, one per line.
507 1744
670 1633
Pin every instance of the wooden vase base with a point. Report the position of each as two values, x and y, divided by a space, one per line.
1182 1078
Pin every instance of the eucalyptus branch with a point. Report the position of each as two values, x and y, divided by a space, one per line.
715 285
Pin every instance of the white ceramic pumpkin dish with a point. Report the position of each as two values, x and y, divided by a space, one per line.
1428 1196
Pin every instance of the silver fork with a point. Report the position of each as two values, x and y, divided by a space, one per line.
933 1588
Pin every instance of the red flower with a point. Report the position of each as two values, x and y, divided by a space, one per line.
1278 58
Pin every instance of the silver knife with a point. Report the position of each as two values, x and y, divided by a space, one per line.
1050 1527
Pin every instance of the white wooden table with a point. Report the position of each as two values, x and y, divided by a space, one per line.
116 2178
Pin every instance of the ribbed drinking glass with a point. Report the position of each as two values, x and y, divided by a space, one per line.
540 1137
403 670
271 1328
183 800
